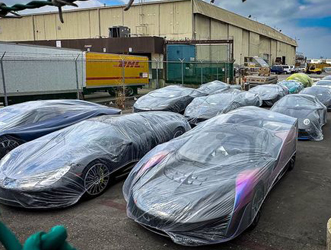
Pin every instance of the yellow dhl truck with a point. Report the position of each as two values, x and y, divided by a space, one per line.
68 76
108 72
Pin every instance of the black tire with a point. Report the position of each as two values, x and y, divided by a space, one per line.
7 144
291 163
256 205
178 132
112 92
94 184
129 91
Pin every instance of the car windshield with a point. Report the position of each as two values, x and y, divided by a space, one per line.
213 146
298 102
324 82
166 93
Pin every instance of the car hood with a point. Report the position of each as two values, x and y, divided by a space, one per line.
182 191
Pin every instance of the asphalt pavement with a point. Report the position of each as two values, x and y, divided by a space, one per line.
294 215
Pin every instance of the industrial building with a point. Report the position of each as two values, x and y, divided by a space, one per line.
179 20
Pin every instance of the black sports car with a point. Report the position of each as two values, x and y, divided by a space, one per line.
30 120
206 107
310 112
213 87
207 186
323 94
270 93
56 170
171 98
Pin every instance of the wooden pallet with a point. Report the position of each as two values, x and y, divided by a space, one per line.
260 80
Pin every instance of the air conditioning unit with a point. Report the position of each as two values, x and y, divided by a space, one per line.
119 31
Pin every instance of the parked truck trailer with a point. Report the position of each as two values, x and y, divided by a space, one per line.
30 72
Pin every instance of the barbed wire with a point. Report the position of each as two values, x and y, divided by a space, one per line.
5 10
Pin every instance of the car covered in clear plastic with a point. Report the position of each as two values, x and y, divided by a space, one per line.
270 93
323 94
303 78
206 107
56 170
324 83
207 186
293 86
310 112
171 98
27 121
213 87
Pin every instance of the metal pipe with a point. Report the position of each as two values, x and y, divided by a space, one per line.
3 80
157 74
77 82
182 71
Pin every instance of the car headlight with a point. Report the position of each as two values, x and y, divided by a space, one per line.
36 181
306 122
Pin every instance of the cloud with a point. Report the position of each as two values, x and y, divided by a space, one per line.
287 16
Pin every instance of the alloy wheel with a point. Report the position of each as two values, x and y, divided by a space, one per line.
96 179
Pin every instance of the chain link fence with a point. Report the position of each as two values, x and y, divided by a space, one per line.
41 76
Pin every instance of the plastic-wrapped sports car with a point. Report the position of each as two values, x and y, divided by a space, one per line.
324 83
293 86
27 121
270 93
207 186
56 170
310 112
206 107
213 87
171 98
323 94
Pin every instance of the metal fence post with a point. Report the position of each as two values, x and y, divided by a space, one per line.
182 62
3 80
217 71
123 77
77 82
157 74
201 74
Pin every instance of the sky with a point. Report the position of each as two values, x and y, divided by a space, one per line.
307 21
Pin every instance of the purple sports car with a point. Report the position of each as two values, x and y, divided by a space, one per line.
207 186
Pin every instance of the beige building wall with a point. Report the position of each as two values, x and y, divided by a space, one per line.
167 19
175 20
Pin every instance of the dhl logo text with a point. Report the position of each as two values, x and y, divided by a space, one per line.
129 64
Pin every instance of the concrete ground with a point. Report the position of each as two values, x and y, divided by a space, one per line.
294 215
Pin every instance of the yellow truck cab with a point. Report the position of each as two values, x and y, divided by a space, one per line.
313 69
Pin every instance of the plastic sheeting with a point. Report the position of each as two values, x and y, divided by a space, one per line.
303 78
327 78
213 87
310 112
171 98
323 94
293 86
57 169
207 186
269 93
206 107
27 121
324 83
